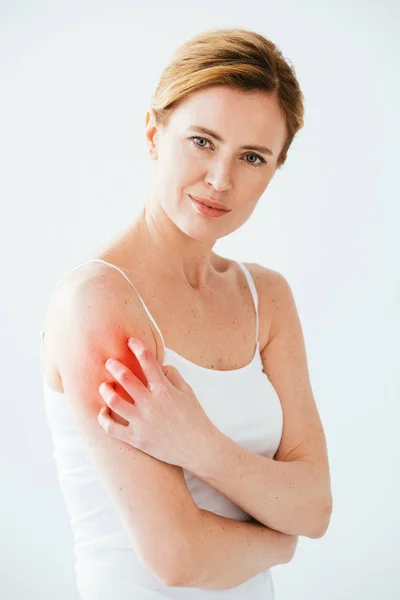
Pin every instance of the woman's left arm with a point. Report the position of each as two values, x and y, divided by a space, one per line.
290 493
291 497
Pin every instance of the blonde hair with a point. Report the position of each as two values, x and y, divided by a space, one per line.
242 59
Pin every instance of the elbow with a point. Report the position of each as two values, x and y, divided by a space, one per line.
324 520
317 535
173 580
183 574
177 577
174 565
291 549
183 558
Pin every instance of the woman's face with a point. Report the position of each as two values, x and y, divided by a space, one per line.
230 170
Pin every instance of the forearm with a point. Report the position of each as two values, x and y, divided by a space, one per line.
226 552
290 497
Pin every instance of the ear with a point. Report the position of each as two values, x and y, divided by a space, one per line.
152 131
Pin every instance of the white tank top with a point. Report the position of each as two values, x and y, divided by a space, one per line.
242 403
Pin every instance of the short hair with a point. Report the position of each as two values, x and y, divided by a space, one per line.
239 58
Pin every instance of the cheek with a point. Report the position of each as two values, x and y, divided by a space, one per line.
259 183
189 159
250 186
188 170
180 165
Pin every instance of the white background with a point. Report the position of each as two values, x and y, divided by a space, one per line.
76 81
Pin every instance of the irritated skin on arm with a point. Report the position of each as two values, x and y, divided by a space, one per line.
132 363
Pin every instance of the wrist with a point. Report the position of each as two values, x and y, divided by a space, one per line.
206 447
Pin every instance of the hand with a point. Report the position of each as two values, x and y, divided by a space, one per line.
166 420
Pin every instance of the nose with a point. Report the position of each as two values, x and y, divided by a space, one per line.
219 176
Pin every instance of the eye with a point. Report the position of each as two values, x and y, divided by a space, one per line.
196 145
260 158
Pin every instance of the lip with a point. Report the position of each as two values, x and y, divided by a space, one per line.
211 203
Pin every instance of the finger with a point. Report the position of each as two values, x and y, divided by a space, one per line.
150 366
127 379
174 377
113 428
119 405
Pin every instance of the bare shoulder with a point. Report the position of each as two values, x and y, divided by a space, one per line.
271 286
274 286
94 296
264 277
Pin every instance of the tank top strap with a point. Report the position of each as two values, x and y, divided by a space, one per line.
128 280
253 291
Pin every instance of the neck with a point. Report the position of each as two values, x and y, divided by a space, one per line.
167 250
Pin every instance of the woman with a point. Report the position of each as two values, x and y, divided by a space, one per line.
185 480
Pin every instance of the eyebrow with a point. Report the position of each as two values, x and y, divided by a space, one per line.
262 149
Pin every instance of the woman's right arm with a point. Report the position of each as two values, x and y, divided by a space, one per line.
91 315
226 552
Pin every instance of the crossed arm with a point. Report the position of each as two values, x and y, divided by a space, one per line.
290 494
226 553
